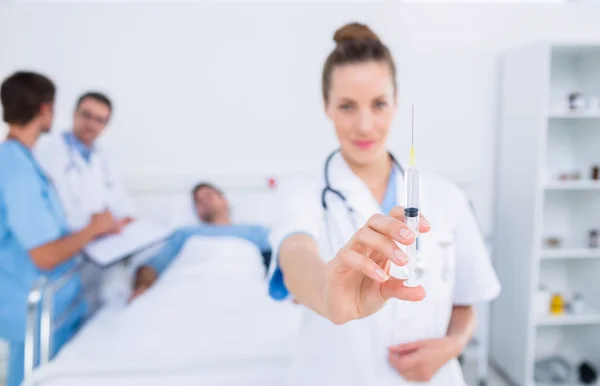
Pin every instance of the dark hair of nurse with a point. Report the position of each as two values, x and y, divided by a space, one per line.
359 94
28 97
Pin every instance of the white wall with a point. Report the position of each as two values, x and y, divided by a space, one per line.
188 79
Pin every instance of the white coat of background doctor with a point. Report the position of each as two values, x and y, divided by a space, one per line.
79 169
362 325
82 175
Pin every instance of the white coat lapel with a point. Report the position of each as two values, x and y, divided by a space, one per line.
95 174
91 182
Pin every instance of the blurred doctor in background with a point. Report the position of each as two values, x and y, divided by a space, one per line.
35 239
337 245
87 185
79 168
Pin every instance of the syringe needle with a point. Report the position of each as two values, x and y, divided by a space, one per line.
412 124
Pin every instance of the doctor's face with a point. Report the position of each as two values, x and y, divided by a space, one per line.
362 105
90 119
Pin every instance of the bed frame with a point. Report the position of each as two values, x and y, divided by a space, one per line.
153 196
40 304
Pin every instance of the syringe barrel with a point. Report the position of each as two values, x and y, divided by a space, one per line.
411 219
411 206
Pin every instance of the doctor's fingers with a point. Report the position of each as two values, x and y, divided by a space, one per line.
391 227
354 260
395 288
399 363
398 213
373 240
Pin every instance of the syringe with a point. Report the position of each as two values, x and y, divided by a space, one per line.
411 209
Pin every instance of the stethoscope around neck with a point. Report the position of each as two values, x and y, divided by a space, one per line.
342 198
72 166
329 189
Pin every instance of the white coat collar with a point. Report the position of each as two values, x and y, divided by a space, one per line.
357 193
73 154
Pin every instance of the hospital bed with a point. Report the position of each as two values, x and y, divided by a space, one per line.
140 344
206 321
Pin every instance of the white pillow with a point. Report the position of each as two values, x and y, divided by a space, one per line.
247 207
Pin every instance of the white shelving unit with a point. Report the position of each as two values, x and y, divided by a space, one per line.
574 115
573 185
539 142
586 318
570 253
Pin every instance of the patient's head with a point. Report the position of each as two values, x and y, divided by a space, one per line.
211 205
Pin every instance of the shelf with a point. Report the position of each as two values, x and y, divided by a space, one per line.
560 384
570 115
575 253
573 185
569 320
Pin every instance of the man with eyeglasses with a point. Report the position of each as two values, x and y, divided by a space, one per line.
81 173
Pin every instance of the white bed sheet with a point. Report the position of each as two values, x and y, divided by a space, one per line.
209 321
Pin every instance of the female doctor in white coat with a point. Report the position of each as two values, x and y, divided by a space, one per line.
336 253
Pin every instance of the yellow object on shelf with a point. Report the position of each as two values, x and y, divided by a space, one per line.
557 305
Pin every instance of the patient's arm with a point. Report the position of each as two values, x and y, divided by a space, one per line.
148 273
145 277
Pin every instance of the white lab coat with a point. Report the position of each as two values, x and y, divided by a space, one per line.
84 188
457 272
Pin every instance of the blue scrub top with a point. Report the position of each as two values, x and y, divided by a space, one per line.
277 288
30 216
257 235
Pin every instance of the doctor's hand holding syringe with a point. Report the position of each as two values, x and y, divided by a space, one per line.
357 282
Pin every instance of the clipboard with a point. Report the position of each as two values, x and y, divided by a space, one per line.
134 238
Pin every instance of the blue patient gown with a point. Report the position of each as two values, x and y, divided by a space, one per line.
30 216
257 235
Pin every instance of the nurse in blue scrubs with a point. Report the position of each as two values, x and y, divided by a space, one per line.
212 208
34 240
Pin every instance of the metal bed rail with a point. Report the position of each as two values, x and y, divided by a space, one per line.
41 321
260 368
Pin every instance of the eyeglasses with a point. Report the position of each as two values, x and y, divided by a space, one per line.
89 116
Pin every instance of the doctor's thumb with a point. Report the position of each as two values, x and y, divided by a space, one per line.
394 288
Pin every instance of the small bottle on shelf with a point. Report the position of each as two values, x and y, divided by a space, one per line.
593 242
557 305
577 305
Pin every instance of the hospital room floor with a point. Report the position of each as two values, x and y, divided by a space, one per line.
470 371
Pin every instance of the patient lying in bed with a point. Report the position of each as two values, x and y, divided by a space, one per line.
212 208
